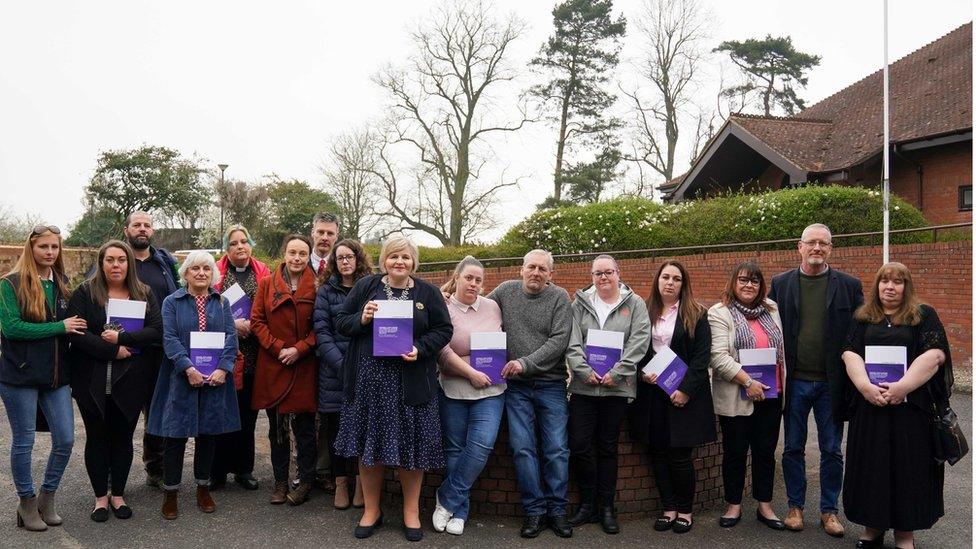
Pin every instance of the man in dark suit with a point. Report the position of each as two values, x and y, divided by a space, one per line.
815 303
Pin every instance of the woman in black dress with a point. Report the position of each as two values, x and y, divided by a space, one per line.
892 480
390 414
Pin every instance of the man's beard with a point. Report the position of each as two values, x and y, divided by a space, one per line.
137 244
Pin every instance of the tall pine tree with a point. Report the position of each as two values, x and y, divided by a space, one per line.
772 67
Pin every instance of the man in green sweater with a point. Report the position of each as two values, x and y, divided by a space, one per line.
538 321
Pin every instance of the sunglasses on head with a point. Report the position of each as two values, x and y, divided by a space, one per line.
41 229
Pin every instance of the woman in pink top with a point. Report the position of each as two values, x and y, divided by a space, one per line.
746 319
471 406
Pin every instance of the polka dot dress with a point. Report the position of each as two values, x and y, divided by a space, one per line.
378 428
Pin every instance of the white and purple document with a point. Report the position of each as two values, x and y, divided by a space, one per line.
603 350
240 304
393 328
670 370
489 353
128 315
760 364
885 363
205 351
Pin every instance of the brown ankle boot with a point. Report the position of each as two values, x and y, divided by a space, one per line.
45 506
171 508
204 500
300 494
28 517
342 500
280 493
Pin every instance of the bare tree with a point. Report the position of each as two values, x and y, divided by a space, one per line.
672 32
350 179
439 104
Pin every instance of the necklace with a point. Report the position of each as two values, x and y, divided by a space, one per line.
888 320
405 296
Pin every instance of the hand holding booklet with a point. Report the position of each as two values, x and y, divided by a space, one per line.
205 351
240 304
885 363
760 364
603 350
489 354
393 328
670 370
126 315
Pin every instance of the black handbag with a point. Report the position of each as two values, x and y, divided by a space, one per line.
950 442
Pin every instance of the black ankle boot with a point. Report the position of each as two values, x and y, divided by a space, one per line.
608 520
585 513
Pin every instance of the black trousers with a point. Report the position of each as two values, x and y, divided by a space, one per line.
595 421
203 455
152 445
341 466
235 451
675 478
759 433
303 429
108 448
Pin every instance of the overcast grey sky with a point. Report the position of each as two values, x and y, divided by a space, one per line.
264 86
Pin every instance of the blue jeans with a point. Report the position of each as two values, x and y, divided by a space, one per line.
804 396
539 407
21 405
470 428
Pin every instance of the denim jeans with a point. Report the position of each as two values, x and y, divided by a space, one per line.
21 404
805 395
470 428
541 461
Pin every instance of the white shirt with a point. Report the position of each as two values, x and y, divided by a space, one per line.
314 261
603 309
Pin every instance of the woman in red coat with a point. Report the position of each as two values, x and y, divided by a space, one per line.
284 382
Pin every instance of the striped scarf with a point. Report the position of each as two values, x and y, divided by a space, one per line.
744 338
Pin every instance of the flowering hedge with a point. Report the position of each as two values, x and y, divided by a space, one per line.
637 223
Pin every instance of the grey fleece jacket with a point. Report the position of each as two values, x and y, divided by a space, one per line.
538 328
630 317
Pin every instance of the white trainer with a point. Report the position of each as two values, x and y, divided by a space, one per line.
455 526
441 516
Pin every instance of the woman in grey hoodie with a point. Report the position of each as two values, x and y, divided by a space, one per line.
602 382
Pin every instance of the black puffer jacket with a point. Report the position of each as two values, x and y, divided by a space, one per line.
331 345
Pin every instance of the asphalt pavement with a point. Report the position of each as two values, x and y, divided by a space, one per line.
245 519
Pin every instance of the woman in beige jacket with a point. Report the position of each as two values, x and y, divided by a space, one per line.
749 413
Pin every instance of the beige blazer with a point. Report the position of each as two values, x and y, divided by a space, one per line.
725 362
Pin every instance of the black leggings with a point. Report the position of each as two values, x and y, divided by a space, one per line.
108 447
758 432
675 478
341 466
303 429
203 455
594 426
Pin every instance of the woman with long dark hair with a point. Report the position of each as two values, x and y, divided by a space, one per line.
346 263
891 479
746 319
673 425
34 369
111 375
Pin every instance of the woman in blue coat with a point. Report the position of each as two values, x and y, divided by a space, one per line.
346 264
186 402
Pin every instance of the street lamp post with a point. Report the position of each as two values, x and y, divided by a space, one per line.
222 168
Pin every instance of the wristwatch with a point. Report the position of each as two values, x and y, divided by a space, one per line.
747 384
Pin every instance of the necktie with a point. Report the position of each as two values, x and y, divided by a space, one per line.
321 266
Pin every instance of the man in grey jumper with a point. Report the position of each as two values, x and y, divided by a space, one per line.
538 321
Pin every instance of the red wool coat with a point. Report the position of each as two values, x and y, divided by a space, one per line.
280 319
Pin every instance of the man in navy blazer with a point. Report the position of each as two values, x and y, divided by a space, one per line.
816 304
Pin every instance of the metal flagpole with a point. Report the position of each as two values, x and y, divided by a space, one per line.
885 184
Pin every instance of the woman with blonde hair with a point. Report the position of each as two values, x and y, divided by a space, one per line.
892 479
34 369
390 414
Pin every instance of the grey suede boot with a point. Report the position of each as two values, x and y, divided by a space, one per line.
28 517
45 506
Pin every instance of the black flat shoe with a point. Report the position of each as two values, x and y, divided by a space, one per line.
775 524
663 524
100 514
561 527
363 532
729 522
247 481
413 534
870 543
121 512
533 526
682 526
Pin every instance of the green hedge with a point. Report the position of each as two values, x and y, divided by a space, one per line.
636 223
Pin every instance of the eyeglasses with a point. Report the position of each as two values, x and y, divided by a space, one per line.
601 274
345 258
746 281
815 243
41 229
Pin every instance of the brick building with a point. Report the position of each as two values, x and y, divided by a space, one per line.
839 140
